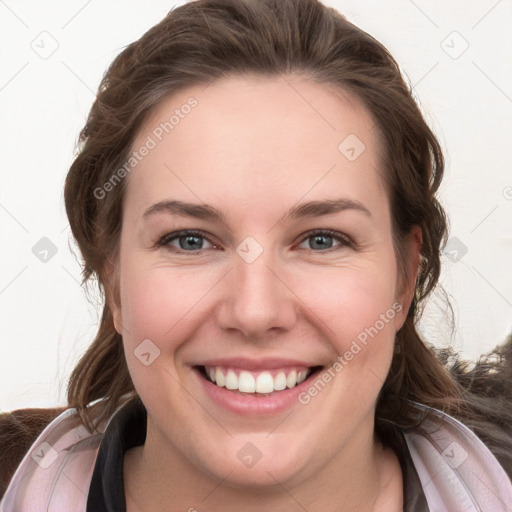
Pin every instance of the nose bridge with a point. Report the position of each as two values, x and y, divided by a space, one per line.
257 299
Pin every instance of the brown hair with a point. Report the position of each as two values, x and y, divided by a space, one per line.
207 39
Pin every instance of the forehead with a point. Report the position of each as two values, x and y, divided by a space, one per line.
282 137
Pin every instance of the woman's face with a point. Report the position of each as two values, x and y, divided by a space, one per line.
256 247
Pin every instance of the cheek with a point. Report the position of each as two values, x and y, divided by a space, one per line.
161 308
157 306
158 302
349 299
356 308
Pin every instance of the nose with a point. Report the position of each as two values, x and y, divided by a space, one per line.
257 301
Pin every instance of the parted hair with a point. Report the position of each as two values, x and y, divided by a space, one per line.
205 40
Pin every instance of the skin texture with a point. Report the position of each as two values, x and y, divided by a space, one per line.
254 148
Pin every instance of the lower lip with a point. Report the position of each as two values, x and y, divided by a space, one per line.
253 404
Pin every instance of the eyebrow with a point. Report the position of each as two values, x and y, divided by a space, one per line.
207 212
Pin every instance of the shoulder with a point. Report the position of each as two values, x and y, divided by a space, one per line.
487 396
455 467
57 458
18 431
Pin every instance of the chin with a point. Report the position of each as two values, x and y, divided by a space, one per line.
253 462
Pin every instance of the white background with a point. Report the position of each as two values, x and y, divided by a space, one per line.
46 320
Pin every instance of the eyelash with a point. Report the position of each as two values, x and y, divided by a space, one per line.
345 241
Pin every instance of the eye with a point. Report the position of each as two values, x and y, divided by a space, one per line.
193 241
187 241
324 240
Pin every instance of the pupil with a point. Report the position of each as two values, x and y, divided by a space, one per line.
318 240
190 242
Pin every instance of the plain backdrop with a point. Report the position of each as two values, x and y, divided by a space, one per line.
456 55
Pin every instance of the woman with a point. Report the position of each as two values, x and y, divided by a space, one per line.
256 194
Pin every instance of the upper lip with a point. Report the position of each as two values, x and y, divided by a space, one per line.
256 364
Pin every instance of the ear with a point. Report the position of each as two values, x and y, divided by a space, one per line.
407 290
112 292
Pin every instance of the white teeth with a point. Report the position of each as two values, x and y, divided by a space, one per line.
246 383
231 380
280 381
249 382
301 376
264 383
219 377
291 380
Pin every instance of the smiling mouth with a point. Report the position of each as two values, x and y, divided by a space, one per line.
257 383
